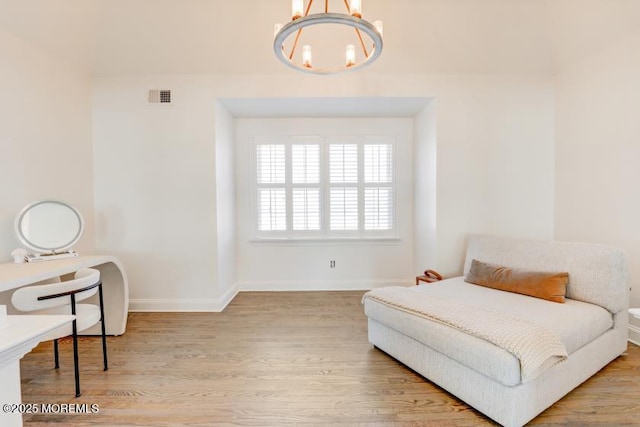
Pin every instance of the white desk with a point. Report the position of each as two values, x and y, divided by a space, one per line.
21 335
114 285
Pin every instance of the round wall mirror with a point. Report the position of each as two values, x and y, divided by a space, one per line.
49 226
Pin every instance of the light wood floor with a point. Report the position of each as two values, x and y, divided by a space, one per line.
279 359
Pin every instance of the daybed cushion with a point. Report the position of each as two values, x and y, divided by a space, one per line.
546 285
575 322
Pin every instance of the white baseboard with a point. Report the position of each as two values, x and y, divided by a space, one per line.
634 334
219 304
207 305
321 285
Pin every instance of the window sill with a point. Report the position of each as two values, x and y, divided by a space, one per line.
325 241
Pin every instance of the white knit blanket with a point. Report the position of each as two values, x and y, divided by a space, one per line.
536 347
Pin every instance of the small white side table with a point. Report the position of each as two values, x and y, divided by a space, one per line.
19 337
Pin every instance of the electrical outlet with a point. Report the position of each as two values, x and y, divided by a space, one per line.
332 264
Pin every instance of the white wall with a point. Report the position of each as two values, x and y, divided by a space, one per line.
155 185
225 205
156 177
425 193
305 266
598 147
495 163
45 137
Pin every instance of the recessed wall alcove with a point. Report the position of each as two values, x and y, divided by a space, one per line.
295 266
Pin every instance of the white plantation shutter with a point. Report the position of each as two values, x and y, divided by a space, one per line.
343 210
272 202
272 209
343 163
305 163
326 186
378 163
378 208
343 200
378 194
306 209
305 179
270 163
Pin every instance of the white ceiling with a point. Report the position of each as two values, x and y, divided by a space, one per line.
140 37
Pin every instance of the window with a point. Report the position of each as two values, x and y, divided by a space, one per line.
272 211
325 187
378 190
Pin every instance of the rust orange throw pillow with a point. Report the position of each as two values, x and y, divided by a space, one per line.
549 286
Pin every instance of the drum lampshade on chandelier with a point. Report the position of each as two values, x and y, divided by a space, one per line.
331 42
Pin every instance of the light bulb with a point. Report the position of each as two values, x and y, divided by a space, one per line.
355 8
297 9
351 55
306 56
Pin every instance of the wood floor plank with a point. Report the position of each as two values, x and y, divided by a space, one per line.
279 359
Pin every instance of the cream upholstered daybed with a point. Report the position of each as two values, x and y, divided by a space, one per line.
568 342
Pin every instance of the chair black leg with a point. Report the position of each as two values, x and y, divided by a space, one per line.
56 358
104 335
75 347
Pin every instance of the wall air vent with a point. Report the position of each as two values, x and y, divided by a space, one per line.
159 96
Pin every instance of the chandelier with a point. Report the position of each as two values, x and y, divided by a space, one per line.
328 31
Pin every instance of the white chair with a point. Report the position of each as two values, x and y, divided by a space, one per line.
62 298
